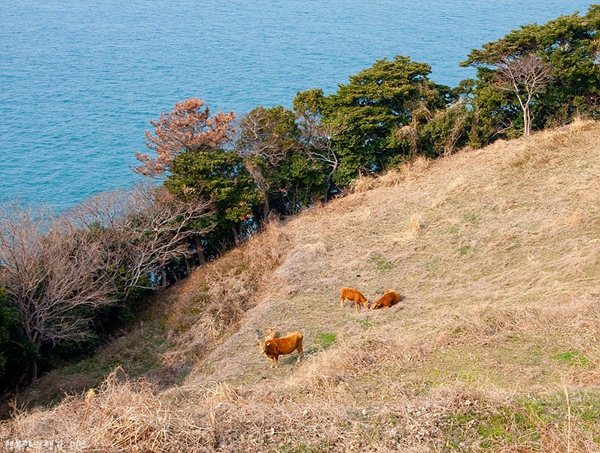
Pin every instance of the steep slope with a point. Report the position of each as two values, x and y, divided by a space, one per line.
497 252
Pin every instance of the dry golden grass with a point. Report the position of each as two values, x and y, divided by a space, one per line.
495 347
211 302
408 171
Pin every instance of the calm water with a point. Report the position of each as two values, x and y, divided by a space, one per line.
80 79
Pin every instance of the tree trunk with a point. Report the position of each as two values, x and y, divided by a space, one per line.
236 235
34 365
328 189
163 274
330 177
526 121
199 251
34 370
262 185
266 206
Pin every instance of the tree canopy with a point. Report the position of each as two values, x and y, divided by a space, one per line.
568 46
189 127
372 107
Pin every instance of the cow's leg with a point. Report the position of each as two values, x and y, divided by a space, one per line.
342 302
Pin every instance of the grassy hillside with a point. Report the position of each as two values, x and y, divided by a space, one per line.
495 347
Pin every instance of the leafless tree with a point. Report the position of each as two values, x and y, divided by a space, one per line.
316 139
266 137
188 127
525 76
144 230
58 270
53 274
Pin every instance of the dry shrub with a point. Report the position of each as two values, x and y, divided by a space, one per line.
416 224
551 145
581 124
131 416
337 422
488 323
363 184
569 440
222 292
456 187
119 416
415 168
407 171
128 416
322 426
475 418
356 356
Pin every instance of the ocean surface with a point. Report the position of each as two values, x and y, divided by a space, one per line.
80 79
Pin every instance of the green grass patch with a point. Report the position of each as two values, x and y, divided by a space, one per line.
464 249
572 358
524 421
365 323
322 341
472 217
452 230
137 353
381 264
326 339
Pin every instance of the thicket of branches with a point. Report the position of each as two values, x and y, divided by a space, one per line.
223 177
59 272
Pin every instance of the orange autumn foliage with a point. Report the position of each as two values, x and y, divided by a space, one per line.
188 127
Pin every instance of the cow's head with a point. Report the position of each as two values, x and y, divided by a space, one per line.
266 344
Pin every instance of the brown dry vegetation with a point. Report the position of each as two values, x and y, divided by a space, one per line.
493 348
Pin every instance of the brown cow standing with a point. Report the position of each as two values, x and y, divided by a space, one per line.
390 298
355 296
274 346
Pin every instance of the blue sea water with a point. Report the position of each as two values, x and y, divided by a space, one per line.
80 79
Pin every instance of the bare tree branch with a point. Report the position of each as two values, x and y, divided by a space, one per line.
525 76
51 270
143 230
58 270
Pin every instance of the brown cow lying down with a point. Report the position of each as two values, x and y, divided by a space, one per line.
274 346
355 296
390 298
